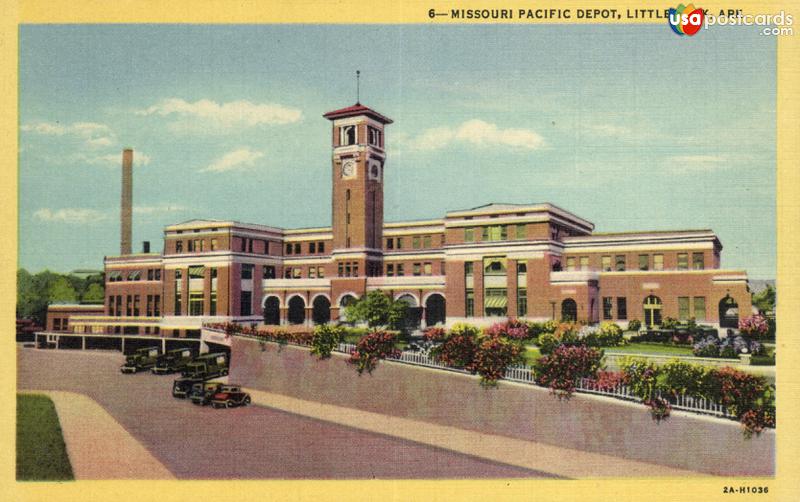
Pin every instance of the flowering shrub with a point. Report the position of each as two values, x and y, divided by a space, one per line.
549 326
458 348
685 378
512 329
607 334
755 326
641 376
567 333
756 420
560 370
729 347
634 325
669 323
493 355
300 336
606 380
435 334
326 337
371 348
737 390
659 408
547 343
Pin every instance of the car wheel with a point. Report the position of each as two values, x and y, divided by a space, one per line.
230 404
247 400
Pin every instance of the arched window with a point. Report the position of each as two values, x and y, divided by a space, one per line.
652 311
272 313
297 310
435 310
322 310
728 313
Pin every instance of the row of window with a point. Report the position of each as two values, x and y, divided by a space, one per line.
60 324
313 248
197 273
152 274
348 135
645 262
491 233
196 245
133 305
494 266
417 242
687 307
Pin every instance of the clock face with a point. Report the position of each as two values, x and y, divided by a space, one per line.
348 169
375 171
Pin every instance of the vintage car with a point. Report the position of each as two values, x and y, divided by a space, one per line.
142 359
207 366
202 392
183 386
230 396
172 361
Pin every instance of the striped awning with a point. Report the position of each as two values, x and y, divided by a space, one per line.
116 274
496 302
196 271
134 275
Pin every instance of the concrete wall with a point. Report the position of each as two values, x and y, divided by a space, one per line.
583 422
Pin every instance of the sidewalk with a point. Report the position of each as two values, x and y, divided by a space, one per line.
527 454
97 445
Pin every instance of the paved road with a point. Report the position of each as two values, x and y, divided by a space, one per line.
242 443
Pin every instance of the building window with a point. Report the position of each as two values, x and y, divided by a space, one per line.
495 233
469 234
195 303
297 248
496 301
417 269
269 272
698 261
321 272
179 246
347 135
320 247
247 271
312 272
157 274
289 249
246 303
605 263
658 262
522 268
427 268
699 308
608 303
297 272
150 274
522 302
622 308
149 306
212 307
196 272
683 261
213 273
683 308
519 232
341 269
157 305
214 244
312 247
494 266
136 305
470 303
468 268
570 264
644 262
389 243
584 262
415 242
619 262
426 241
399 243
287 273
374 136
390 270
191 246
400 271
442 268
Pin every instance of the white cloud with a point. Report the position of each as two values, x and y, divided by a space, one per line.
92 133
478 133
209 116
159 209
243 158
697 162
70 215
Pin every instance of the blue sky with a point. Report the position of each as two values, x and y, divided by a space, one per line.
631 127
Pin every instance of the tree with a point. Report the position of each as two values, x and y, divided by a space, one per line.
376 309
764 300
62 291
94 294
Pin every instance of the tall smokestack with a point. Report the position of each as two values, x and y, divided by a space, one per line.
126 209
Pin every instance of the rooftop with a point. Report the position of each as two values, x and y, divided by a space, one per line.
357 109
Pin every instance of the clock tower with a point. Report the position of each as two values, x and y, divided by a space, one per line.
357 204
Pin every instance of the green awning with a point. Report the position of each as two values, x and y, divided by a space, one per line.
116 274
196 272
496 302
133 276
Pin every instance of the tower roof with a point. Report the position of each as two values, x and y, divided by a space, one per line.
357 109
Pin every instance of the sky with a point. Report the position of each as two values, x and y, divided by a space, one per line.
631 127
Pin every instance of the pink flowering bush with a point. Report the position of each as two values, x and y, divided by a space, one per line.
371 348
755 326
435 334
561 370
606 380
493 355
513 329
458 348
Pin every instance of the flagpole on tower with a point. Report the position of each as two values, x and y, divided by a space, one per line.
358 87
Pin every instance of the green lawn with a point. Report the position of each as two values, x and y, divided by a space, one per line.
41 453
652 348
532 354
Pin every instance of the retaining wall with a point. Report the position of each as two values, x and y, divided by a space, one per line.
584 422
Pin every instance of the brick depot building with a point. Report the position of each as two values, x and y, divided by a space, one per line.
478 265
